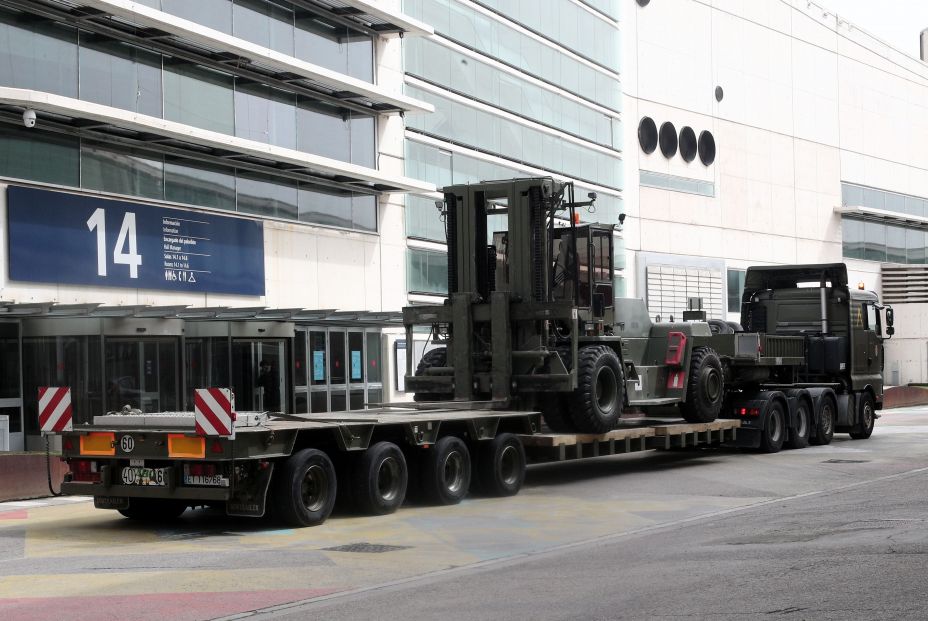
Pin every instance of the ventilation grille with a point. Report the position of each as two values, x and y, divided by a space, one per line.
670 287
904 283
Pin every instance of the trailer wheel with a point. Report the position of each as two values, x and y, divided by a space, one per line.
771 439
446 471
705 389
825 427
865 419
799 437
380 478
501 465
304 488
154 509
596 404
437 357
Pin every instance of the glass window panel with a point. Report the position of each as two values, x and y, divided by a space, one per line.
914 206
364 212
9 361
853 243
265 114
317 358
895 244
319 206
39 156
338 400
427 271
363 139
300 375
215 14
915 246
873 198
894 202
374 395
199 186
319 401
322 130
356 400
264 198
120 75
852 195
361 58
264 23
121 172
200 97
735 288
63 361
356 362
336 359
301 402
874 241
321 43
373 357
37 54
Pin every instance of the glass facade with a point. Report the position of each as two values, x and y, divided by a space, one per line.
876 241
427 271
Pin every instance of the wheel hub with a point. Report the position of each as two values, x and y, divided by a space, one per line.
314 488
453 472
388 478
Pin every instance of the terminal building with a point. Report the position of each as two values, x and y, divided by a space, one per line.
242 192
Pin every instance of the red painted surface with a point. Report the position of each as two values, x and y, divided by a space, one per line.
150 607
904 396
20 514
22 475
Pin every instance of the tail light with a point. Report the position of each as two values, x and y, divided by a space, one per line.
747 411
84 470
676 348
201 470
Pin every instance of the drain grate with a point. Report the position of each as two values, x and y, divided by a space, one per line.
366 548
846 461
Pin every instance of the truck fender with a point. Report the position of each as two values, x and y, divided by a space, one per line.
762 401
817 395
795 397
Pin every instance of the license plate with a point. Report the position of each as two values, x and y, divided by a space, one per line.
134 475
215 480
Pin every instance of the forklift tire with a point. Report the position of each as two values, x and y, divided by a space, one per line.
154 509
866 417
437 357
446 471
825 426
304 488
771 438
554 409
596 404
705 389
379 479
799 437
501 465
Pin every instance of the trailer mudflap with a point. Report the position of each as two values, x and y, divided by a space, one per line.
249 494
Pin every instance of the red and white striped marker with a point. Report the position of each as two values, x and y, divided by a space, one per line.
55 409
214 411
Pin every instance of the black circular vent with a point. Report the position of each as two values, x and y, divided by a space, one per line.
643 2
719 93
706 148
668 140
647 134
688 144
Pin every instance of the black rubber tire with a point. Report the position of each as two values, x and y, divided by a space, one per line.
774 432
437 357
866 417
154 509
304 488
825 425
596 405
379 479
705 387
799 437
556 412
501 465
446 471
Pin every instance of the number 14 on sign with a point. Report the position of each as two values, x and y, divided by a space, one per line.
127 237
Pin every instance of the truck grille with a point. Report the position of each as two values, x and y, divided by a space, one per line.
783 346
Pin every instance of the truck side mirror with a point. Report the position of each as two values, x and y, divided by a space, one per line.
890 330
889 319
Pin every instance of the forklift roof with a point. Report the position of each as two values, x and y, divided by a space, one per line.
780 277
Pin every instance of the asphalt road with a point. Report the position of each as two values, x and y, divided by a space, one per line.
836 532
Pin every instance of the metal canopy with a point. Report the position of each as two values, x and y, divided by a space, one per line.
881 215
198 313
367 16
135 24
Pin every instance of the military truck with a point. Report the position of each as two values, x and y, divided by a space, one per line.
531 323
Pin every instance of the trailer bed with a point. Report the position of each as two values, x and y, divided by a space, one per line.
634 435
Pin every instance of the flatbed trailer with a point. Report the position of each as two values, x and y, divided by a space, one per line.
154 466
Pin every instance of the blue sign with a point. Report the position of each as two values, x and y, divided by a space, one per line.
84 240
318 366
356 365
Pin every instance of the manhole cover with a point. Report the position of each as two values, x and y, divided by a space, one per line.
366 548
846 461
